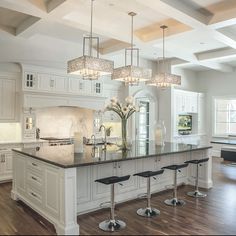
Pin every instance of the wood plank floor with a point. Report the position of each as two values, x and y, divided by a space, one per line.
214 214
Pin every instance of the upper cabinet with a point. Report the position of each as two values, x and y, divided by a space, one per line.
52 83
185 102
8 108
58 84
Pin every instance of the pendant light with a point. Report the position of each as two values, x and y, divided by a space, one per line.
88 66
131 74
164 79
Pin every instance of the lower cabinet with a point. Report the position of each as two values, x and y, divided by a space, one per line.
5 165
38 183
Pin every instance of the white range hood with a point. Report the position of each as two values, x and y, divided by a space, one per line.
44 101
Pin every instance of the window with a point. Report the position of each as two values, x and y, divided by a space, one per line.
225 116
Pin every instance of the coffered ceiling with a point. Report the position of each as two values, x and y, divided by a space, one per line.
201 33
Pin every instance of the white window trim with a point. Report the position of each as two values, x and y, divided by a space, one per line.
214 98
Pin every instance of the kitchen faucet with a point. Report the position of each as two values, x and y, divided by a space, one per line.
93 137
105 138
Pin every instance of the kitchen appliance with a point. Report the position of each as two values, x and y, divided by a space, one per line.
52 141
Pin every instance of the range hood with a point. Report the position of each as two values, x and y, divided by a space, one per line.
44 101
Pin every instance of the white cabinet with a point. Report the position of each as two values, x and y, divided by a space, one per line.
79 86
97 88
7 99
5 165
185 101
52 83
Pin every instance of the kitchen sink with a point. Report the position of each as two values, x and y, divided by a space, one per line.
99 144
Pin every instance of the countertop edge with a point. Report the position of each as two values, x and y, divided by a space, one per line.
108 161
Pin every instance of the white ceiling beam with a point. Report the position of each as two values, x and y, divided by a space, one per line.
53 4
217 54
26 25
8 30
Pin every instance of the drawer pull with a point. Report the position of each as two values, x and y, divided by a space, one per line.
34 164
32 177
33 194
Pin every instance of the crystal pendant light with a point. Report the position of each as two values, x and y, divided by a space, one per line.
88 66
131 74
164 79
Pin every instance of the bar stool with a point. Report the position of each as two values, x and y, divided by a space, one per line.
196 193
175 201
148 211
112 224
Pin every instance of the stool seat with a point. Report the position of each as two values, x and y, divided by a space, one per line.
147 174
175 167
113 179
197 161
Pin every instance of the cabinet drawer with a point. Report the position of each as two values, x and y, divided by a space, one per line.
34 180
35 166
34 195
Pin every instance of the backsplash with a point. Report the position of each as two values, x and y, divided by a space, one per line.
10 132
62 122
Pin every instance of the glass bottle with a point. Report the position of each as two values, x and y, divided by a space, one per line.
160 133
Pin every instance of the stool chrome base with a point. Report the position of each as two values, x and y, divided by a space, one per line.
196 194
174 202
148 212
112 225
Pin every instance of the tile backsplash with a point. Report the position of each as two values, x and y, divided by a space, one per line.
62 122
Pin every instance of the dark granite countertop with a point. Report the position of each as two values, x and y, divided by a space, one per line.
64 156
225 141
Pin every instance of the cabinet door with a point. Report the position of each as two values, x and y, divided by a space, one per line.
30 81
102 191
194 103
52 191
83 184
20 173
8 164
127 168
97 88
75 85
59 83
201 114
46 82
8 102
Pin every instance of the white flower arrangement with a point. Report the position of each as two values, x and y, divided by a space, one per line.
124 111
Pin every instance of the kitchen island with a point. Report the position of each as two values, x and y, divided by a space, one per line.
59 184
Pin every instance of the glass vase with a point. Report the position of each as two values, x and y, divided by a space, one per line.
124 144
160 133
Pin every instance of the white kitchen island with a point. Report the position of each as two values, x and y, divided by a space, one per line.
59 184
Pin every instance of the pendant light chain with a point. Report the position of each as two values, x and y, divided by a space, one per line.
163 27
132 38
91 30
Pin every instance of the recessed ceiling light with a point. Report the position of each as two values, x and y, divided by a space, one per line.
202 43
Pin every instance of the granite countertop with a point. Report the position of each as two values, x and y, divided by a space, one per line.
22 141
64 156
225 141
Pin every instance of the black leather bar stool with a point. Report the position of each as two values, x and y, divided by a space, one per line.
175 201
148 211
196 193
112 224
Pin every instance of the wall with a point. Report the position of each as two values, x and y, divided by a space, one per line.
62 122
215 83
10 132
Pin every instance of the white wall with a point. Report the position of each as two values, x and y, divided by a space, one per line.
215 83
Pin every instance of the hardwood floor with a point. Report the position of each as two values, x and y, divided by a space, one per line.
214 214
